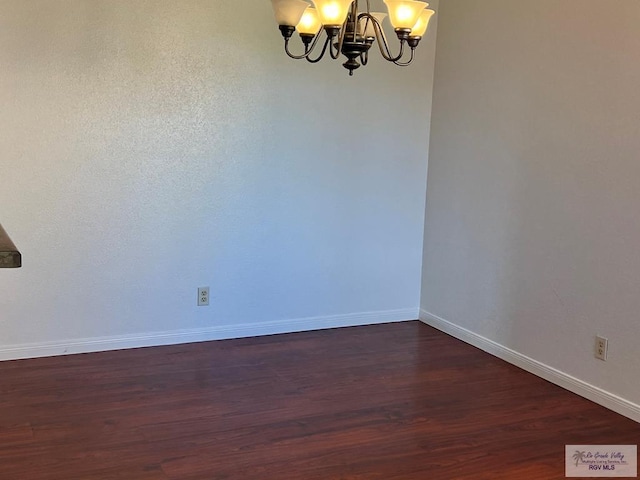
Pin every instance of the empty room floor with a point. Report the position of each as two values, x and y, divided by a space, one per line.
382 402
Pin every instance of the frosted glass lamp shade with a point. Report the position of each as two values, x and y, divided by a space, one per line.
367 25
404 13
420 28
309 23
332 12
288 12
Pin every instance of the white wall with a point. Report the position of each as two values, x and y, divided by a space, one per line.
149 147
533 222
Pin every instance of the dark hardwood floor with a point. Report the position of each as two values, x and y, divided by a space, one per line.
384 402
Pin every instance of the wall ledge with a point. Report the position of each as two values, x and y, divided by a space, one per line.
9 255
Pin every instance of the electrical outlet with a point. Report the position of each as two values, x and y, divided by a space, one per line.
203 296
602 345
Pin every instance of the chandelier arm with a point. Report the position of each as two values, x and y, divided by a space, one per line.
307 49
353 17
369 17
404 64
364 58
382 43
327 42
380 36
336 55
366 14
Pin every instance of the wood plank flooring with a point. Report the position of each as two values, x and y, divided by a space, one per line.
385 402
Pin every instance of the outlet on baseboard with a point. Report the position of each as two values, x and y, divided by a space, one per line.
203 296
602 345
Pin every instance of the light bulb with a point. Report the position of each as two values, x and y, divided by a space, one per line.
288 12
404 14
420 28
332 12
309 23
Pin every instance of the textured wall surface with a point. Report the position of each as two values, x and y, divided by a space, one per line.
532 227
149 147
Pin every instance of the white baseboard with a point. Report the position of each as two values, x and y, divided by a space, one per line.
575 385
172 337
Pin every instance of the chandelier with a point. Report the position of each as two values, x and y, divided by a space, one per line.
351 32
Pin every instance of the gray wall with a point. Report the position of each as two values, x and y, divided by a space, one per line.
149 147
533 206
